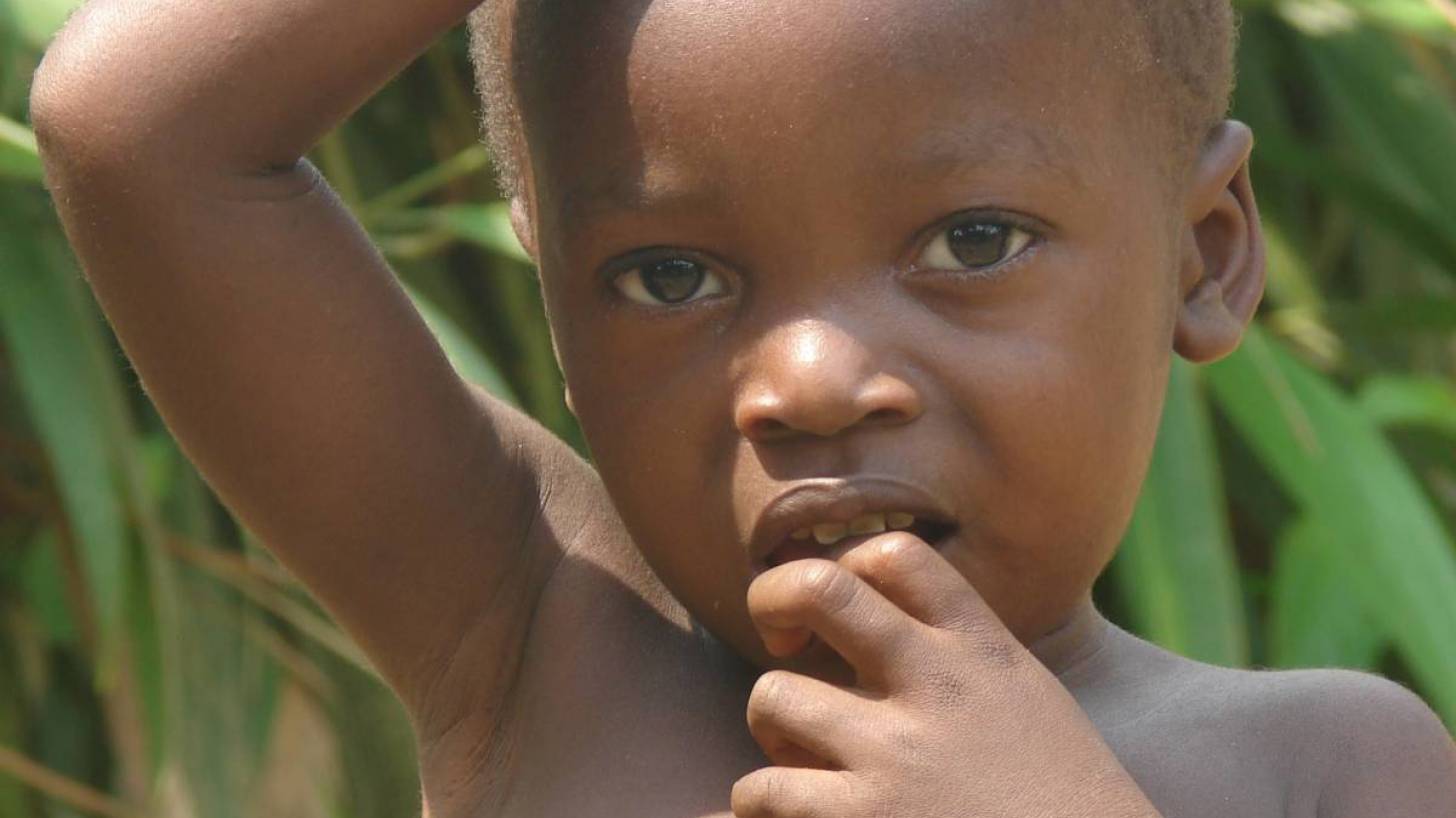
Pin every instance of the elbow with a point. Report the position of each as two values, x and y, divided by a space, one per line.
88 106
68 124
52 106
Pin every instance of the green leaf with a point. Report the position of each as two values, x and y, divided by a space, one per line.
1405 400
18 156
49 327
463 354
1291 284
1175 569
1394 315
1393 122
1405 214
37 21
1346 477
45 588
1313 621
485 225
1417 17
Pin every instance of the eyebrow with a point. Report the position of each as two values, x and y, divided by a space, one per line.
631 192
937 153
945 151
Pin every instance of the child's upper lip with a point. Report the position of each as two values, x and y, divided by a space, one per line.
809 502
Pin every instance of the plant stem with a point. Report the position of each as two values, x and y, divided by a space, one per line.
66 790
471 160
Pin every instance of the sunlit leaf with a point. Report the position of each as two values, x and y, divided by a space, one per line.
1312 621
487 226
1346 477
1175 569
1391 120
47 323
18 157
36 21
1396 400
463 354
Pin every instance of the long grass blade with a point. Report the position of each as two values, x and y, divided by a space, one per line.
43 322
1405 400
462 353
1330 457
18 156
66 790
1312 622
1175 570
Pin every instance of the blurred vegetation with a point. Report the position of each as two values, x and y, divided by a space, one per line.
154 661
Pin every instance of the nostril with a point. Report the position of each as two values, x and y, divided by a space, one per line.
885 416
769 429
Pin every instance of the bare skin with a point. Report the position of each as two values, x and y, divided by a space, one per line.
753 222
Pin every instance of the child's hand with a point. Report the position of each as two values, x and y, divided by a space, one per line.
951 715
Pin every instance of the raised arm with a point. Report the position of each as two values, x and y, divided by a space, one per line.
272 336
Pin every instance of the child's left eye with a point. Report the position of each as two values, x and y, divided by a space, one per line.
974 245
668 282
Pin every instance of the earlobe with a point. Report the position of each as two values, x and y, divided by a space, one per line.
1221 278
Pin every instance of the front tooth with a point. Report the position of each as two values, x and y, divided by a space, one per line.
868 524
830 533
802 534
899 520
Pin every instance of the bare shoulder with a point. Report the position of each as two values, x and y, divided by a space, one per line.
1348 744
1383 750
1320 743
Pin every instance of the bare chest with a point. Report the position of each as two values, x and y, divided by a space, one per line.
655 730
618 749
649 721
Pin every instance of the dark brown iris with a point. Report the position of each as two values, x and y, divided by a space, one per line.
979 244
673 281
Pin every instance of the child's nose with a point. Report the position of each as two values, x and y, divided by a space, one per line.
813 378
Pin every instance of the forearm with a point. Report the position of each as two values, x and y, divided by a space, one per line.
242 86
271 334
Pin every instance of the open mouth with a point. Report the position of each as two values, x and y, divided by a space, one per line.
830 539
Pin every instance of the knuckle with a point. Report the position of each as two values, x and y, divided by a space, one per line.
768 695
904 739
1003 655
866 798
747 798
825 586
759 794
993 648
945 689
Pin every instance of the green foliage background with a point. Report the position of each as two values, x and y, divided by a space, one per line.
154 661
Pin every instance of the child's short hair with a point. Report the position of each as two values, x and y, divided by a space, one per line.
1187 45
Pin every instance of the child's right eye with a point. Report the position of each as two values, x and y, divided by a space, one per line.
668 282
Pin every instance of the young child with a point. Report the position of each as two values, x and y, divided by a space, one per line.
867 311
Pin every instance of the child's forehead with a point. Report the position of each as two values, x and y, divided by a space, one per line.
893 88
740 48
661 184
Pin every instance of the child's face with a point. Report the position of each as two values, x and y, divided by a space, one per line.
920 249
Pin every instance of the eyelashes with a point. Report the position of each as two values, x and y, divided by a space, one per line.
975 244
978 246
669 282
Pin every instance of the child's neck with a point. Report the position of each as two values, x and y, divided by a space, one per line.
1072 643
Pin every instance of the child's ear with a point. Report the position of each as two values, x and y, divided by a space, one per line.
1221 277
524 225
